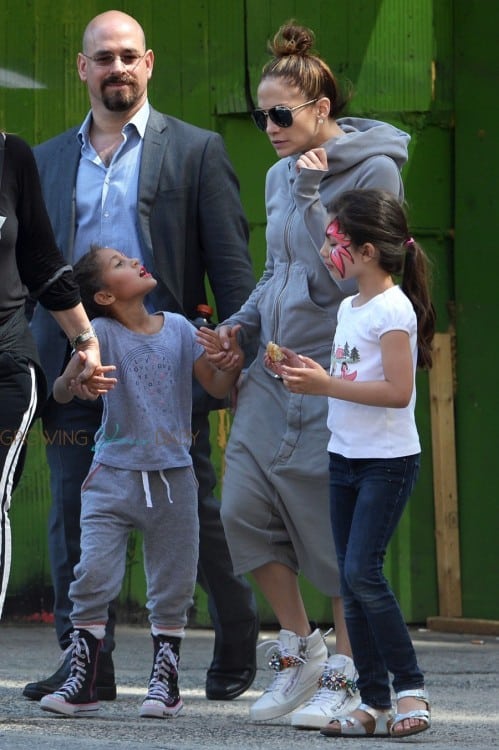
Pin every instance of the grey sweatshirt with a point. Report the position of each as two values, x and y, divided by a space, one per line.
295 302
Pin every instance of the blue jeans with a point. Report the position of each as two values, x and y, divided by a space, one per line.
367 499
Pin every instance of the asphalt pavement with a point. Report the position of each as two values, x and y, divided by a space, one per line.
462 676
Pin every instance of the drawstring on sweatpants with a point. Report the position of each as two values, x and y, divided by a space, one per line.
147 489
165 482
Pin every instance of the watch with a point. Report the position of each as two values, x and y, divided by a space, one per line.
89 333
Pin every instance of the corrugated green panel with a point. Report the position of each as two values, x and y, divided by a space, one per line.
162 22
258 249
259 30
427 180
384 47
252 155
192 66
428 174
64 101
227 50
443 34
477 271
17 35
178 33
395 70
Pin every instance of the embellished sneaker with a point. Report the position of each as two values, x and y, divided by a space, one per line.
78 693
163 698
337 695
298 662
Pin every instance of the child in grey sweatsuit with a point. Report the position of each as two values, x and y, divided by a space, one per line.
141 476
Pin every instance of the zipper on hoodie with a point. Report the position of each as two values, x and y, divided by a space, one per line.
287 248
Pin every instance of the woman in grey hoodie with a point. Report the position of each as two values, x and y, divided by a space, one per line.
275 493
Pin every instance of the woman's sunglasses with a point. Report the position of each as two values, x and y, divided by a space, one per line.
281 115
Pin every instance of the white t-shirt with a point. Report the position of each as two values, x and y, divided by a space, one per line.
359 431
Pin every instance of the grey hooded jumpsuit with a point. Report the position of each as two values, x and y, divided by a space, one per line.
275 498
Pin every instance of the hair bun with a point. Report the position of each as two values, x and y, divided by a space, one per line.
292 39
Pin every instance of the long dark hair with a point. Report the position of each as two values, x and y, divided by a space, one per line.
377 217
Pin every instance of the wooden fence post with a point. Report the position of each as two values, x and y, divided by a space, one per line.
445 478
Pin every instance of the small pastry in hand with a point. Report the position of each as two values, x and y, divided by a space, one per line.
275 353
276 357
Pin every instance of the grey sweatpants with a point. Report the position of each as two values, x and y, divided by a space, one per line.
163 506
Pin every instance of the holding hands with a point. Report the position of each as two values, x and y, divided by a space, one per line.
69 384
222 347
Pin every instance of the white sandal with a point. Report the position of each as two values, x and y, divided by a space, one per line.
376 724
419 713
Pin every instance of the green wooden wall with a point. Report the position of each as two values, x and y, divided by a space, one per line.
476 270
402 57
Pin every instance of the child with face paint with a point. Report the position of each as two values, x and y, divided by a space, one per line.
384 332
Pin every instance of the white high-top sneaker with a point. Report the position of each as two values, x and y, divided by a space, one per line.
298 662
337 695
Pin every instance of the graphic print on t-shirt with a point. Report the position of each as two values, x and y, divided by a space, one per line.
342 360
150 375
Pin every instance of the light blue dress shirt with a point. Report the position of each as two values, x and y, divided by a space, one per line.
106 197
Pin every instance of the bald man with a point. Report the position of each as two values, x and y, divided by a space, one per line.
163 191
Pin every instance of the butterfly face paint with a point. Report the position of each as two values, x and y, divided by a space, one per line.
340 251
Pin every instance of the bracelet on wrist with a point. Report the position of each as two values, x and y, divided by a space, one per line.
82 337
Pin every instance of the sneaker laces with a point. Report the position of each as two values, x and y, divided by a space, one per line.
80 658
165 668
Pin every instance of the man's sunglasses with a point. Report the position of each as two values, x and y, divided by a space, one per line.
281 115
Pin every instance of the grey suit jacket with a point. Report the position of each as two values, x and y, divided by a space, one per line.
192 225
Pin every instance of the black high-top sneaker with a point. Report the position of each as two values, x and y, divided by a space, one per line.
104 680
78 694
163 698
